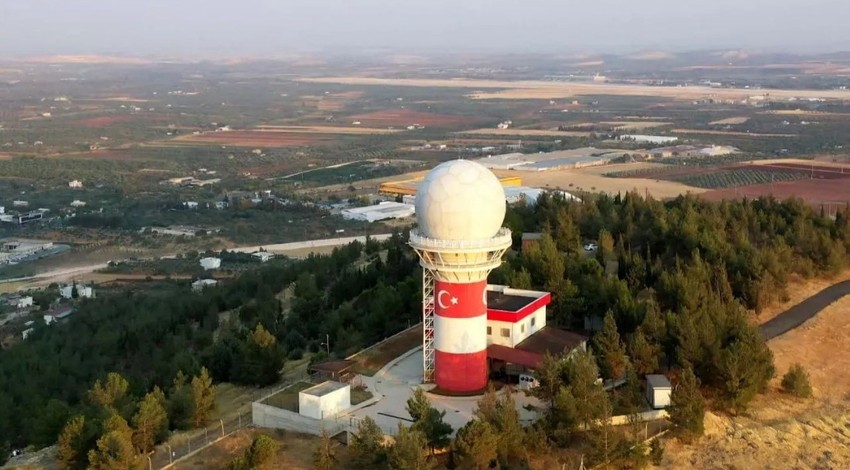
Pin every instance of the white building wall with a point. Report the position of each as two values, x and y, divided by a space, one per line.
519 331
210 263
325 406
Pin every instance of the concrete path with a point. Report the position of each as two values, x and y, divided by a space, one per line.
798 314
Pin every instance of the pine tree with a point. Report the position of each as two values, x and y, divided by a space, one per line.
746 367
509 432
70 446
590 399
203 398
687 406
324 457
114 449
367 449
408 451
475 446
796 382
611 351
548 376
644 355
428 420
110 394
150 421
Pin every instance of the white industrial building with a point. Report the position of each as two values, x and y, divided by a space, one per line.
324 400
384 210
201 284
76 184
83 292
263 256
210 263
658 390
649 139
548 161
515 194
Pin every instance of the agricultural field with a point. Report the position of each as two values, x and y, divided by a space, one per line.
406 117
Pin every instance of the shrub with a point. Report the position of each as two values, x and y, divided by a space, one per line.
796 382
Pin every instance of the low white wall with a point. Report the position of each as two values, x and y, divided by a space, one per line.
266 416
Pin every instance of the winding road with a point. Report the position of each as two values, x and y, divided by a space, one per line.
805 310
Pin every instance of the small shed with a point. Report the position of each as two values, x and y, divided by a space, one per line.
658 390
332 369
324 400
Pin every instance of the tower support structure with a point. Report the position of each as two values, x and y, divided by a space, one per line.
454 307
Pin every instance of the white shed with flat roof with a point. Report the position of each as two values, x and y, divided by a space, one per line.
324 400
658 390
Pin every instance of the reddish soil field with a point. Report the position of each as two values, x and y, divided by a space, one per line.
109 120
257 138
821 172
406 117
674 172
815 192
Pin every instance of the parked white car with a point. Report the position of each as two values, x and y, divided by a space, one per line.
590 246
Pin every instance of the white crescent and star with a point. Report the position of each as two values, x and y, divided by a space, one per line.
452 300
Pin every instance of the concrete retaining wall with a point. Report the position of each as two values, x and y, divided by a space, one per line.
266 416
645 416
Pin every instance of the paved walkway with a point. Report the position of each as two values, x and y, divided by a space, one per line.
397 382
798 314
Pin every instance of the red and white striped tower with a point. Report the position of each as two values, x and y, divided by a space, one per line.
460 207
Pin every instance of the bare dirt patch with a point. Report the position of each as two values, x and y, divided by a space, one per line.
406 117
590 180
533 89
831 192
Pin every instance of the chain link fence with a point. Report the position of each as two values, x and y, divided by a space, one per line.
181 446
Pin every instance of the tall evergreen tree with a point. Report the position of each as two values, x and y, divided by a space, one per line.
687 406
408 451
150 421
644 355
114 449
475 446
610 349
367 450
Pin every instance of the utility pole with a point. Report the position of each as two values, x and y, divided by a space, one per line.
327 343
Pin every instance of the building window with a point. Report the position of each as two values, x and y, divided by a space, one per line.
489 330
506 332
522 328
533 321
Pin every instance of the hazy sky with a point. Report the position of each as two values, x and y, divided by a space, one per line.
208 28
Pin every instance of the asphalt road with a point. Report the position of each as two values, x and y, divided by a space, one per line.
798 314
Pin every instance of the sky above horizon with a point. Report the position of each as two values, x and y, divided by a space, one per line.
268 28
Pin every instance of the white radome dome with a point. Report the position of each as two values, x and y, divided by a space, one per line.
460 200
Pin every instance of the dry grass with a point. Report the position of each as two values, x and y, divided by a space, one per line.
295 451
821 346
589 179
525 132
798 290
777 433
804 112
287 399
374 359
737 134
532 89
730 121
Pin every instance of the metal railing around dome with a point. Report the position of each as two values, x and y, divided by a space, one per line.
502 237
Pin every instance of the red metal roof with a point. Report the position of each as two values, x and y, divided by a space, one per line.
514 356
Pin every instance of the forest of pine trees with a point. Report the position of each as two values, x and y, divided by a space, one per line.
672 284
